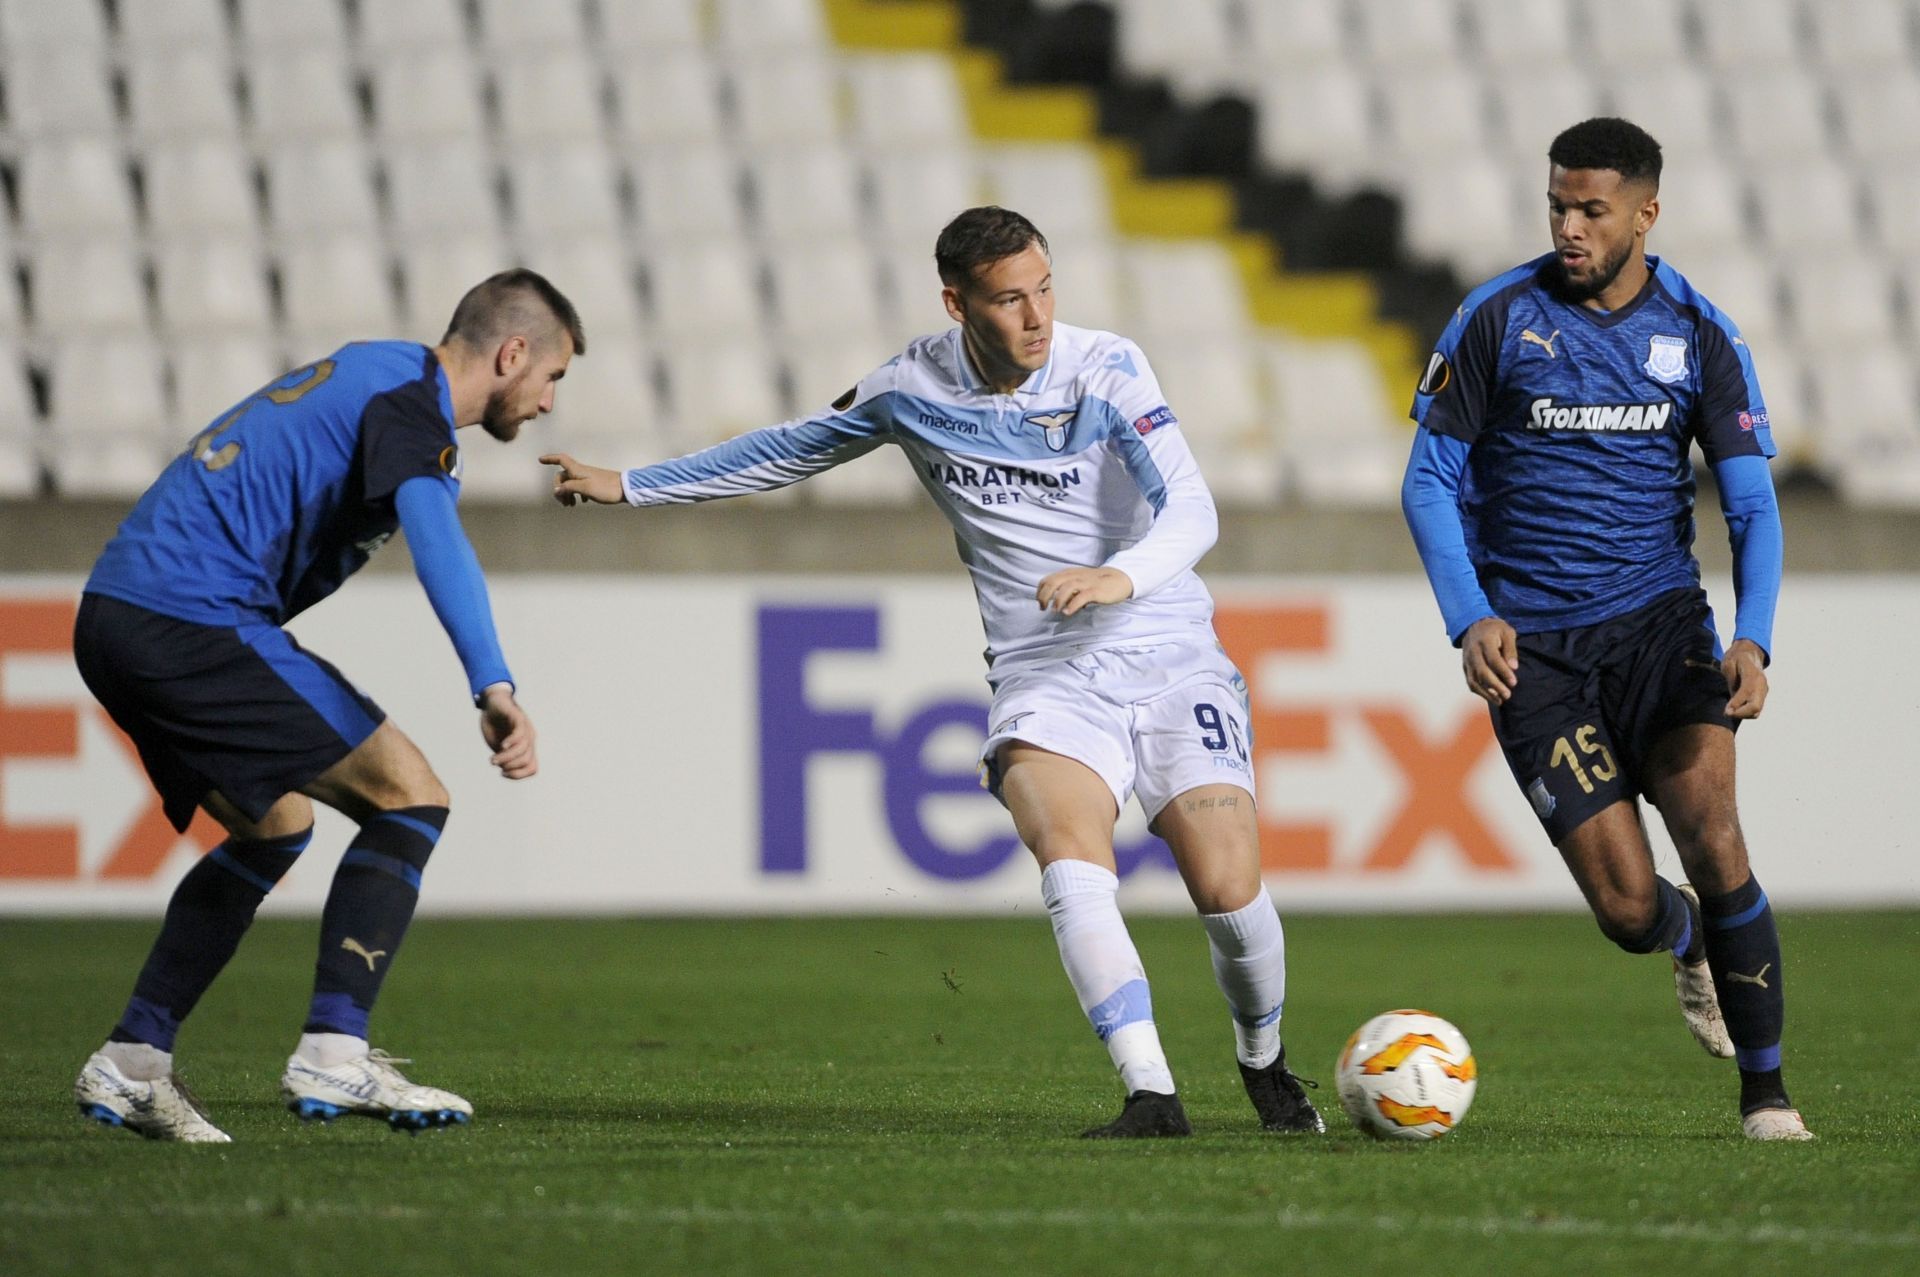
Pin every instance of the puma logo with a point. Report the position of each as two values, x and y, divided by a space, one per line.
1759 977
1527 335
354 946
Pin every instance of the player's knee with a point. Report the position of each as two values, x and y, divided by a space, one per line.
1622 917
1713 838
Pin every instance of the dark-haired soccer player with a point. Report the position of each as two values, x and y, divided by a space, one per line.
1551 495
1080 513
267 512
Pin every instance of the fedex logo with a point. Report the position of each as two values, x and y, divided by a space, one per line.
40 732
1430 810
793 730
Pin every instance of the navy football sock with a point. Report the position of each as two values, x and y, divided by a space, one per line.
1743 949
366 915
211 909
1672 926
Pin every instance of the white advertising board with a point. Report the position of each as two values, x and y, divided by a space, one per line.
788 745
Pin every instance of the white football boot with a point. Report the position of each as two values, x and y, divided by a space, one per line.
1693 983
1775 1124
370 1086
163 1109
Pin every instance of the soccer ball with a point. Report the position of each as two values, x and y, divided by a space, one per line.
1406 1075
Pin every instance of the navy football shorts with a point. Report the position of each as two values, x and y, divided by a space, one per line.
1593 702
242 711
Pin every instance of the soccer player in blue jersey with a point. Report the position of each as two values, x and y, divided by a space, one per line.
265 513
1550 493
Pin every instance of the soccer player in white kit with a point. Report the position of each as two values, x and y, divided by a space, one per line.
1080 514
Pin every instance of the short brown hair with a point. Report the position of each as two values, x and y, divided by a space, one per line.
507 303
979 237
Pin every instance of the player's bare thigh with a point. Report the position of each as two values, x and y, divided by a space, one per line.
1061 808
1610 860
1690 776
385 772
1215 837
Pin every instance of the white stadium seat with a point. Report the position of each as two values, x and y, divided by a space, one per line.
392 25
78 25
1702 206
1061 189
1840 300
559 96
1809 204
1168 37
87 286
75 188
286 27
1536 36
630 28
609 395
183 94
916 191
705 289
320 187
57 93
1877 113
1290 34
1534 103
683 192
426 94
1743 284
903 99
910 293
1411 33
1639 33
803 193
151 26
831 288
200 188
434 188
1319 120
512 28
720 389
1751 38
12 314
769 24
334 291
1434 111
1340 435
668 95
1676 104
1781 115
213 285
785 96
307 93
1862 35
566 188
1186 288
131 400
93 464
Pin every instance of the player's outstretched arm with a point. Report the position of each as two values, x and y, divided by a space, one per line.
1070 589
508 733
575 481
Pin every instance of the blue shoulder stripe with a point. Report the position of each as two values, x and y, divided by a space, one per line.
1501 285
1682 291
1133 454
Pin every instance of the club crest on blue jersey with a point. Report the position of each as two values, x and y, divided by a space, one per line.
1054 425
1666 359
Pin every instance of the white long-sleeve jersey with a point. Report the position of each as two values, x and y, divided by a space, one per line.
1083 465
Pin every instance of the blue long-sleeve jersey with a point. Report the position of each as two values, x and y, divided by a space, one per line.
1550 484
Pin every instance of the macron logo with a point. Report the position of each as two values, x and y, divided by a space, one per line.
1616 418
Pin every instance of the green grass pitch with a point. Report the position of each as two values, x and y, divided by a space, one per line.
900 1096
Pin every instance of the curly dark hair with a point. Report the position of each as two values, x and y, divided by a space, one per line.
1612 143
981 236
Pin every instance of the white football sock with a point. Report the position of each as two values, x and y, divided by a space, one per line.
328 1049
1105 970
1250 964
138 1061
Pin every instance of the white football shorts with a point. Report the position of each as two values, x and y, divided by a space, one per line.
1156 720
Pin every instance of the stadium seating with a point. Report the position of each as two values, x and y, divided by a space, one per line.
744 209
